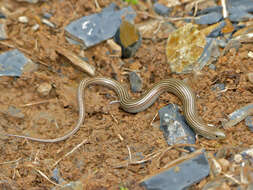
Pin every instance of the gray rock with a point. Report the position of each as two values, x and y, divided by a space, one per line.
14 112
209 54
238 115
218 87
57 177
212 66
161 9
210 18
93 29
174 126
240 111
210 10
135 82
13 62
239 5
189 172
249 122
47 15
2 16
217 31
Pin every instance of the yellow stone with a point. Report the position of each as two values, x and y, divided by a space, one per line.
128 33
184 47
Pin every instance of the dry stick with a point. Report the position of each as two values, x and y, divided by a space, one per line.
44 175
77 61
40 102
224 9
9 162
76 147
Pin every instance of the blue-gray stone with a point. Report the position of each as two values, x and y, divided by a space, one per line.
209 18
238 16
212 66
12 63
249 122
2 15
238 113
211 50
57 177
218 87
174 126
135 82
239 5
189 172
93 29
47 15
210 10
217 31
222 43
161 9
240 10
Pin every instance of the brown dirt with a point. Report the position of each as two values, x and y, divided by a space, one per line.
93 162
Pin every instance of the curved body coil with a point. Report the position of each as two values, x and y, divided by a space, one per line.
175 86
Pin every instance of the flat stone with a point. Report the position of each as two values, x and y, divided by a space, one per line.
218 87
238 115
210 18
161 9
174 126
217 31
135 82
249 122
210 53
181 176
184 47
13 62
93 29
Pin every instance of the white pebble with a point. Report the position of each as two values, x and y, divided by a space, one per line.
238 158
44 89
23 19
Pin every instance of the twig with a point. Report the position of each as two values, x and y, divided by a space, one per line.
181 159
9 162
130 155
44 175
77 61
224 9
76 147
231 177
40 102
97 5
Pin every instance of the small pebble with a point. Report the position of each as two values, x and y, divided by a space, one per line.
249 122
250 77
161 9
47 15
48 23
238 158
212 66
135 82
224 164
44 89
23 19
250 54
35 27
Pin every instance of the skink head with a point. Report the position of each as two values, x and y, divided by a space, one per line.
216 134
